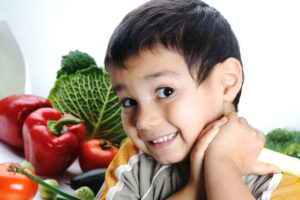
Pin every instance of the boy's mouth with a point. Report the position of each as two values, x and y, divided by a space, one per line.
164 138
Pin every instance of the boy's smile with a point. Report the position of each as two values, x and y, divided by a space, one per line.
163 109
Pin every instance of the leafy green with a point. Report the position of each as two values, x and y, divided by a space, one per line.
284 141
88 95
74 61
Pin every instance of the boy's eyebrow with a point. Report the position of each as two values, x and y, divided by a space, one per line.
161 73
118 88
121 86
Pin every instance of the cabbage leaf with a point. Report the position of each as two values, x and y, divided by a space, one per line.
88 95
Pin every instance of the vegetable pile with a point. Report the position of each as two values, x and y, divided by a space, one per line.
81 115
80 106
87 94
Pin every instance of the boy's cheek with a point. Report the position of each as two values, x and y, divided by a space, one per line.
185 113
127 127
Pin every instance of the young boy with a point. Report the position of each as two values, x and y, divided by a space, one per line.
176 68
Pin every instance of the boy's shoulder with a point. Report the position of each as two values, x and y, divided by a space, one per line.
126 157
273 186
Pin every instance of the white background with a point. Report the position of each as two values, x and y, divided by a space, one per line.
268 32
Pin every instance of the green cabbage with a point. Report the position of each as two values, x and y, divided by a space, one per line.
88 95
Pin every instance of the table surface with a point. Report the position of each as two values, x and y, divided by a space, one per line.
9 154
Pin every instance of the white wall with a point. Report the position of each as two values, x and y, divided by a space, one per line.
268 32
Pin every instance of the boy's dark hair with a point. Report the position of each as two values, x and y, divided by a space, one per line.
192 28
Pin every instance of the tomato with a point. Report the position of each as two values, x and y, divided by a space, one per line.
96 153
16 185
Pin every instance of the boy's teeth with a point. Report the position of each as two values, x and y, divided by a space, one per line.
165 138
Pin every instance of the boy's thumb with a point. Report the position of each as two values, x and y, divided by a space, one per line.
264 169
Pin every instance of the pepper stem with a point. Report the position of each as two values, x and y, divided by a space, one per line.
59 127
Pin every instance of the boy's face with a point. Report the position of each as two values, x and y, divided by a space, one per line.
163 109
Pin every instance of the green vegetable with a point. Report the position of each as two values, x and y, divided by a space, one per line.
74 61
27 164
88 95
284 141
282 148
287 164
45 193
49 187
85 193
93 179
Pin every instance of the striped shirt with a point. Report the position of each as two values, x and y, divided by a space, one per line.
135 175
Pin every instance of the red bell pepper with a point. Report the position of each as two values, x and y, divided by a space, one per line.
13 111
52 140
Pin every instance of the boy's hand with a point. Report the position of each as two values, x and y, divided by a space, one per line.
198 152
195 188
240 143
259 168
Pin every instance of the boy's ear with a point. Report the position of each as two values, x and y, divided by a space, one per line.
232 78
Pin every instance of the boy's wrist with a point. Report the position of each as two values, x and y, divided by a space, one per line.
191 188
217 157
223 173
187 192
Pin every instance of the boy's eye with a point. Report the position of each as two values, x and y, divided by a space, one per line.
164 92
128 103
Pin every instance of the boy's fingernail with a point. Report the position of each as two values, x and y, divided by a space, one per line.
223 119
215 128
276 170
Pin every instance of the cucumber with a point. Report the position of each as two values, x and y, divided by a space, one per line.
93 179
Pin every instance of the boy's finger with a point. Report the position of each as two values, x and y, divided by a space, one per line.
217 123
261 136
233 116
203 142
243 120
264 169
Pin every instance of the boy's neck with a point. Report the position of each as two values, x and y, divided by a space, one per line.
228 108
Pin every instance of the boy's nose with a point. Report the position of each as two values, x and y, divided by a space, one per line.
147 117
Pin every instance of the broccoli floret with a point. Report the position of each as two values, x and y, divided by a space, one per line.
284 141
74 61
